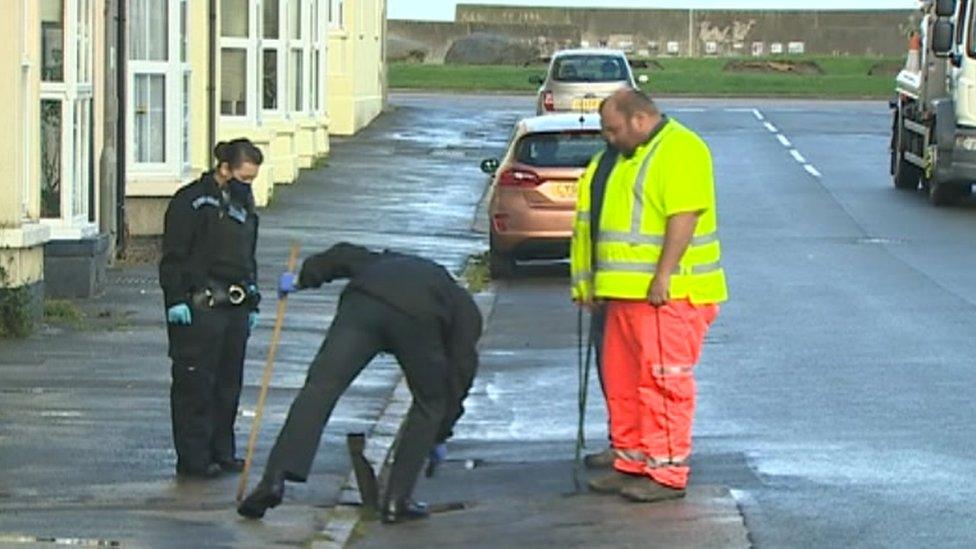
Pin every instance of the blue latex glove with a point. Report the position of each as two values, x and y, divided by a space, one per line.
435 457
179 314
252 320
287 283
439 453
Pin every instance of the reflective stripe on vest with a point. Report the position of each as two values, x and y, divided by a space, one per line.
584 277
651 268
636 238
619 237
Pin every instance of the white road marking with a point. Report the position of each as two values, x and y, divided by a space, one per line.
688 109
738 110
810 168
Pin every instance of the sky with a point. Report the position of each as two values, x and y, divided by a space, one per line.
443 10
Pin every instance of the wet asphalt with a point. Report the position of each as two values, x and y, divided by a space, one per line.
835 400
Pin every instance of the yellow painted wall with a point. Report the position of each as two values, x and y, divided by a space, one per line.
357 67
21 237
289 145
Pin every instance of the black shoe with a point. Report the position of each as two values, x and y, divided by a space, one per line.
210 471
267 494
403 510
232 465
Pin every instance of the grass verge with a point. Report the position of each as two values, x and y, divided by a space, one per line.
842 78
476 273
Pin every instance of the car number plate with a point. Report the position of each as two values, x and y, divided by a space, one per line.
587 103
565 190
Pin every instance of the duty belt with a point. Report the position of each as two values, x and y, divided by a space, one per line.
220 295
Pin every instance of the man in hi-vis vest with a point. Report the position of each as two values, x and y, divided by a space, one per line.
645 244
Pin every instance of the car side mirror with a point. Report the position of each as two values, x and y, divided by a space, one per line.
942 37
643 79
536 79
490 166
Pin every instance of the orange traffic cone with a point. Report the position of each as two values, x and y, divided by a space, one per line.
914 61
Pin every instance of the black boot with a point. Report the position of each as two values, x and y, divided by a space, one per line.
210 471
233 465
401 510
268 493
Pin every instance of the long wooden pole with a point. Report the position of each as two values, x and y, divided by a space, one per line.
266 380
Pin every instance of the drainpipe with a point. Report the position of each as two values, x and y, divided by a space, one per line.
212 81
121 79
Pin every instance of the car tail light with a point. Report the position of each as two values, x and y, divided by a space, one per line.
500 222
519 177
548 101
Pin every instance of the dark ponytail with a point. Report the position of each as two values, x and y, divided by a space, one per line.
237 152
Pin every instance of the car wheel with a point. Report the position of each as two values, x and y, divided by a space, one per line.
500 265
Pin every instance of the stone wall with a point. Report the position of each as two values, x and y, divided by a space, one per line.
673 32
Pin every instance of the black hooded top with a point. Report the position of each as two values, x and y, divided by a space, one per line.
418 287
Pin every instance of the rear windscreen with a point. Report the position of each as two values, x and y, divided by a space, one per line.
589 68
559 150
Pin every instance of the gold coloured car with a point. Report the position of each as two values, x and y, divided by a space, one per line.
534 185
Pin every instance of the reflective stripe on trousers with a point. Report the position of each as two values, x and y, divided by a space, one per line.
649 383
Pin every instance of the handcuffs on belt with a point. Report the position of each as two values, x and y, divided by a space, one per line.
235 295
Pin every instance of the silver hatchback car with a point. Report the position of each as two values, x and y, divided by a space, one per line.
578 80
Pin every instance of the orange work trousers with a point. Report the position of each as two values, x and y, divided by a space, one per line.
648 358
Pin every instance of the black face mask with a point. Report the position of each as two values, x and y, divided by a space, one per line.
238 189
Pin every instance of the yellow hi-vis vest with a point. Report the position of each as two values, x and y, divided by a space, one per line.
669 175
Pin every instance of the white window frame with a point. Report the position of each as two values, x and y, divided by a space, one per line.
174 70
300 45
27 132
320 42
336 14
75 97
251 45
276 44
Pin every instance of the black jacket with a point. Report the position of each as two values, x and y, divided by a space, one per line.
418 287
192 239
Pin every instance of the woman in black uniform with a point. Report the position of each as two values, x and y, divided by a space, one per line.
209 277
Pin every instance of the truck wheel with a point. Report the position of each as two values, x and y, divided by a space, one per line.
905 174
945 194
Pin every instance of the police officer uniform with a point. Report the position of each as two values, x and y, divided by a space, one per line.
409 307
209 264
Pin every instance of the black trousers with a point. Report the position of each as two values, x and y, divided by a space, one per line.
208 366
363 327
598 322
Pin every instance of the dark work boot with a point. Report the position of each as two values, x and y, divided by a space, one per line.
614 481
268 493
650 491
233 465
600 460
210 471
402 510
